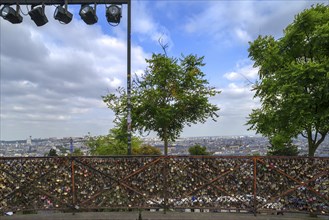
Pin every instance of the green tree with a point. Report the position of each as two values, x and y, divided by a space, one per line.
171 94
146 150
282 146
293 84
112 144
198 150
77 152
52 153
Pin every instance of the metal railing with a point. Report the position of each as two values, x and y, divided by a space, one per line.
251 184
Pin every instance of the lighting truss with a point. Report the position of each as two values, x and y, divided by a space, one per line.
63 15
88 14
87 2
113 14
11 15
38 15
60 2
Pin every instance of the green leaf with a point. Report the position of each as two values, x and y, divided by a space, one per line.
293 86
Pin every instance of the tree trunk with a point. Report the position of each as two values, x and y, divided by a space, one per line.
311 150
165 139
314 144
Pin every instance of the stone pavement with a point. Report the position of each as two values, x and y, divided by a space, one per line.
159 216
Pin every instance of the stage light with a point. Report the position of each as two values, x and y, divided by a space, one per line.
11 15
38 15
113 14
88 14
63 15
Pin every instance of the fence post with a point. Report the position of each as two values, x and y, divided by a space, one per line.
165 184
255 185
73 184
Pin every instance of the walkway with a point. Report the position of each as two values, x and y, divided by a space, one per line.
159 216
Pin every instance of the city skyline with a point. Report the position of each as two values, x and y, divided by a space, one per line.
216 145
53 77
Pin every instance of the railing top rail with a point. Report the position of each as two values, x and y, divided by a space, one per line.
170 157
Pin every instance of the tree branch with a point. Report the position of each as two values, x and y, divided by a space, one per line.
163 45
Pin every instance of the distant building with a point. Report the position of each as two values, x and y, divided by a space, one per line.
29 141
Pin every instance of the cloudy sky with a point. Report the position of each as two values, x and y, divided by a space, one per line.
53 77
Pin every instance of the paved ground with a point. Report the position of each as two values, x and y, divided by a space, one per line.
159 216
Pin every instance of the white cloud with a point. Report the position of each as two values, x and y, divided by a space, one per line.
235 101
244 71
53 77
242 35
145 25
26 84
56 74
232 76
243 21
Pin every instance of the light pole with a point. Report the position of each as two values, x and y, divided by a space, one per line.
129 75
13 16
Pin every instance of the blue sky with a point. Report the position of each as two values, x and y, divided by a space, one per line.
53 77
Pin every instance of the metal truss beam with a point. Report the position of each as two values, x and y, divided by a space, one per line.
61 2
82 2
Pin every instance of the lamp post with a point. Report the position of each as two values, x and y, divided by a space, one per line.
64 16
129 75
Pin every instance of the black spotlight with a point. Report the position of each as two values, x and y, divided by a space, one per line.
113 14
38 15
63 15
11 15
88 14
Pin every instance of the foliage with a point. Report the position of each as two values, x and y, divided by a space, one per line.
61 149
112 144
282 146
198 150
77 152
52 153
171 94
146 150
293 84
